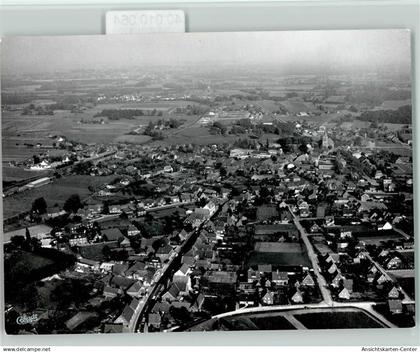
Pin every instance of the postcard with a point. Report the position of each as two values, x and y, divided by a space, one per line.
207 181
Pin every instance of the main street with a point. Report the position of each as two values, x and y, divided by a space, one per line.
322 284
148 301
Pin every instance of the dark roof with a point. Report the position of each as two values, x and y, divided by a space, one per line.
121 282
136 287
127 313
119 269
79 318
161 307
136 267
112 234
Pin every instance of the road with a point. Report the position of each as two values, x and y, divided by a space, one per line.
322 284
402 233
150 298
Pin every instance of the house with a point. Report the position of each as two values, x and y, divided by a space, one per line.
332 269
344 294
106 267
195 219
219 283
84 265
280 278
188 259
395 306
197 305
246 287
132 230
315 228
348 284
127 313
164 252
78 241
393 263
297 297
268 298
154 320
172 293
125 243
382 279
337 280
119 269
308 281
136 290
112 234
370 277
80 318
182 275
161 308
121 282
253 275
111 292
394 293
135 271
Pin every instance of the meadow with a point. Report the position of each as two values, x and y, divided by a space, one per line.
53 193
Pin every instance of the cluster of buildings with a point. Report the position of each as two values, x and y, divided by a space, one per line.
187 232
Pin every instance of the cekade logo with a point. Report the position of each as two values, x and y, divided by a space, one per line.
26 319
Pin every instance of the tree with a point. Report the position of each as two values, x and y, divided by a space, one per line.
39 206
358 141
181 314
157 244
73 204
17 241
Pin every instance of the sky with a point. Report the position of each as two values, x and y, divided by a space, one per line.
374 49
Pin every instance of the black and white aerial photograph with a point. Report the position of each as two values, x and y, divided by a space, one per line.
207 182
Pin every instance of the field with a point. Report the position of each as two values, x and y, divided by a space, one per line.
349 319
196 135
377 237
279 259
317 318
266 322
54 193
296 106
18 130
354 124
132 139
32 261
11 173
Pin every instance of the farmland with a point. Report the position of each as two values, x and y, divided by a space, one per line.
54 193
20 129
11 174
345 319
318 318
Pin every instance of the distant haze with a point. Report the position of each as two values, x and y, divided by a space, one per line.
306 50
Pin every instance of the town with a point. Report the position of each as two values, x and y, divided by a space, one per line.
148 205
